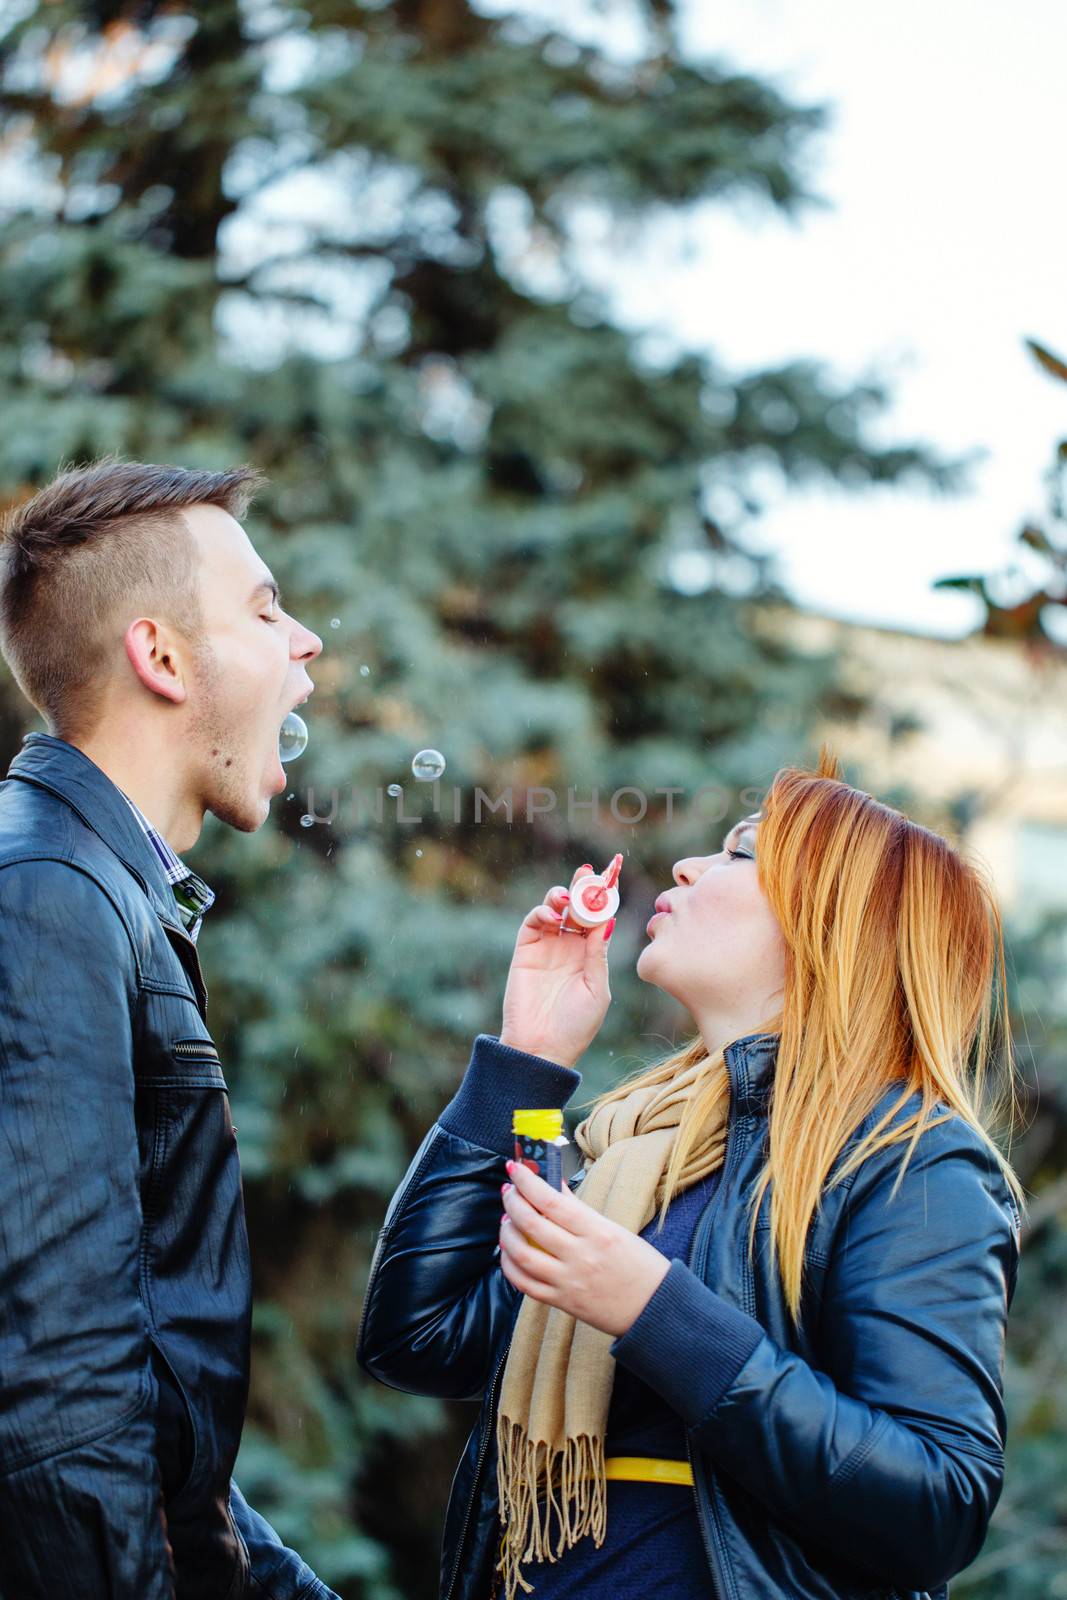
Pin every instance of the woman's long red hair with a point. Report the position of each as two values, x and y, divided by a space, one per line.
895 975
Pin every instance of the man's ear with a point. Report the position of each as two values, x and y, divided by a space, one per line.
155 652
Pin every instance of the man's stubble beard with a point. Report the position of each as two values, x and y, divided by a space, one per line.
226 782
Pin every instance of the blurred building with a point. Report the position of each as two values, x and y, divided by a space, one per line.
976 728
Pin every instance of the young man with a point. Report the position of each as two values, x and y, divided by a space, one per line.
138 619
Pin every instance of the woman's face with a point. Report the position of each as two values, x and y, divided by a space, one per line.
718 948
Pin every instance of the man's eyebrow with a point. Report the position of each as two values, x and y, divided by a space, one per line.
265 583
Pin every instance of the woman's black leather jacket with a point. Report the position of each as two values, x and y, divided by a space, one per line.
859 1455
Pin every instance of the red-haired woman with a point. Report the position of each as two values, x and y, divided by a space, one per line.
756 1349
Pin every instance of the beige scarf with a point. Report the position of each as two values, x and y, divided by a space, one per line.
553 1409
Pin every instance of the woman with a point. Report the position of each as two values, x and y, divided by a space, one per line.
758 1352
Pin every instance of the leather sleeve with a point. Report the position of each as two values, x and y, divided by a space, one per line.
277 1572
80 1493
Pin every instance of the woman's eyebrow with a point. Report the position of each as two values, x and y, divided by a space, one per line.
746 822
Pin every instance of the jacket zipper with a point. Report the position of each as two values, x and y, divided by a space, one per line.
483 1451
196 1049
697 1261
714 1571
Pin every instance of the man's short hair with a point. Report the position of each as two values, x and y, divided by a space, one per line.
96 547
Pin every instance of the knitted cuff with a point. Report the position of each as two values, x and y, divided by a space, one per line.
498 1081
688 1344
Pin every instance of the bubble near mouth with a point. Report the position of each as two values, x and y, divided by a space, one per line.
292 737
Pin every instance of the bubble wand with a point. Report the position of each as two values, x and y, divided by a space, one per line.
594 899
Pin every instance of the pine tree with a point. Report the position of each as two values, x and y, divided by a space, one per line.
340 241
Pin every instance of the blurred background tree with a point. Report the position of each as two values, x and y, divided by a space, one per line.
1028 601
1025 1557
343 242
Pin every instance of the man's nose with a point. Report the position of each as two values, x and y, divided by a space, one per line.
303 644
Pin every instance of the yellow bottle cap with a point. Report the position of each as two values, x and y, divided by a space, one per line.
547 1125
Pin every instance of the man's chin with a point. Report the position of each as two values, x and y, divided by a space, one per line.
246 806
245 817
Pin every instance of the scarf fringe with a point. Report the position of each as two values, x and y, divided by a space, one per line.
571 1476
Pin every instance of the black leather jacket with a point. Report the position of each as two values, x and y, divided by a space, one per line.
859 1457
124 1269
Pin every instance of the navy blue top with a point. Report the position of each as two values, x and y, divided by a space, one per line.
653 1543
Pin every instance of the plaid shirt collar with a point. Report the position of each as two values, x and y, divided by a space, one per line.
191 894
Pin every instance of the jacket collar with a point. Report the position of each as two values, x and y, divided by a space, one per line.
750 1063
68 773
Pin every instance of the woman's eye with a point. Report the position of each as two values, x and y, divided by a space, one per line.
268 618
733 854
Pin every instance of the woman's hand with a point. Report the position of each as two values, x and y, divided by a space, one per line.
557 992
587 1266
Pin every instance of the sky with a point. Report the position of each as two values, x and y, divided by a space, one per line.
943 248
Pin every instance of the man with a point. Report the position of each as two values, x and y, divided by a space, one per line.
138 619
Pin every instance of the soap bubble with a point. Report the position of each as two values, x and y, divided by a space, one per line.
364 671
293 738
335 622
428 765
395 791
307 821
418 852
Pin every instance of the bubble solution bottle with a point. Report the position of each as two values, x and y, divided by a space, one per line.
539 1141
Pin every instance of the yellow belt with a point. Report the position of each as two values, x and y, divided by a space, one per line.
648 1469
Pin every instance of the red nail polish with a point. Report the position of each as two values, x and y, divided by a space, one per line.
508 1165
504 1187
609 930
